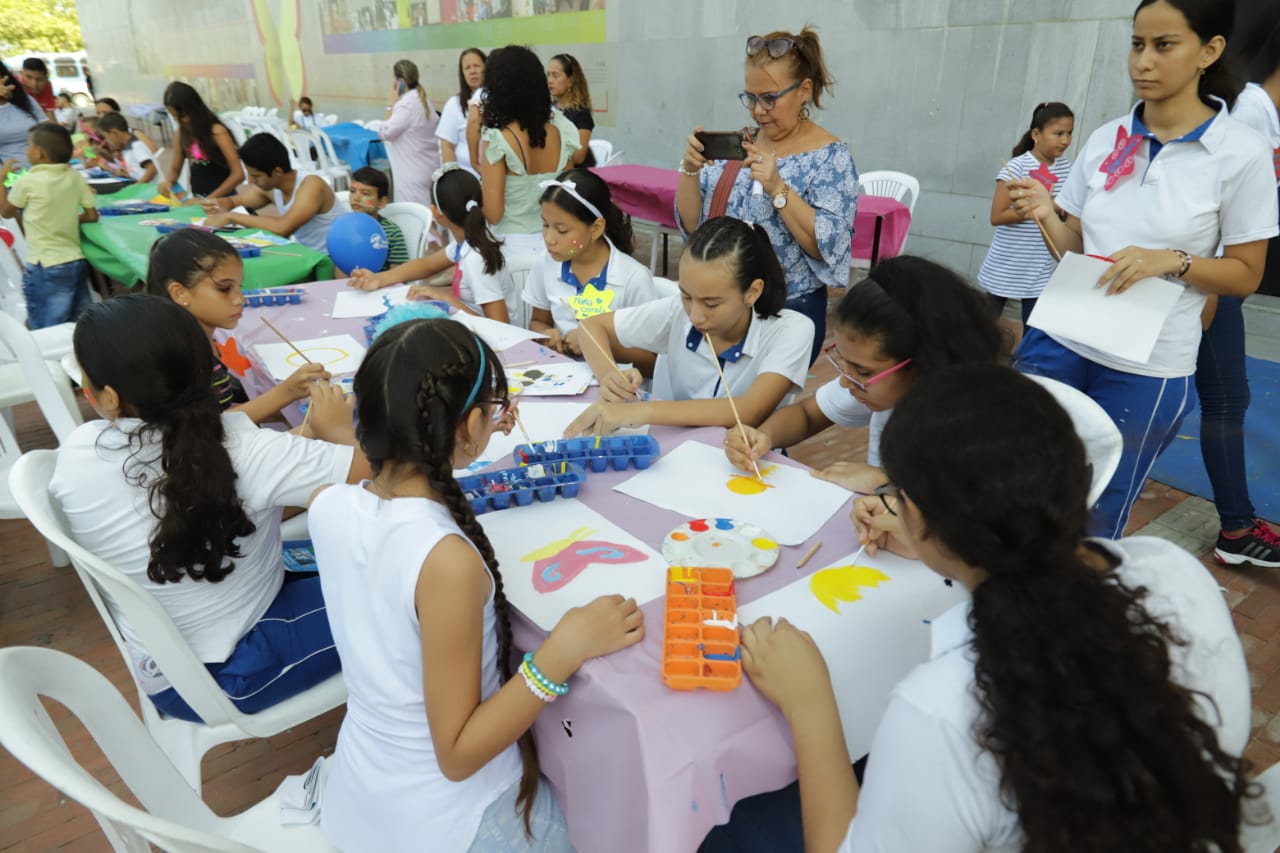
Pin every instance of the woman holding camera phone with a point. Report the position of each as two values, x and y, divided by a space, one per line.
797 181
410 134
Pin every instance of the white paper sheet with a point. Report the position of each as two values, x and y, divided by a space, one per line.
873 637
553 379
500 336
1125 325
338 354
368 303
558 555
697 480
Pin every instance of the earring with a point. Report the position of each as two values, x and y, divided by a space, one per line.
804 111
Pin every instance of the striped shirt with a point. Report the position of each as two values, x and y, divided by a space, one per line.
1018 265
226 387
398 251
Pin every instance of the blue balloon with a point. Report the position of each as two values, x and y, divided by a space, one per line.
357 241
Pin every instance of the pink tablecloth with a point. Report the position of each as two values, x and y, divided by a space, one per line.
895 221
646 769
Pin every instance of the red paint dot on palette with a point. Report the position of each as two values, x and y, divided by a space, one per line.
699 526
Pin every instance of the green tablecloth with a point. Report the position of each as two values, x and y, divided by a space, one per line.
118 246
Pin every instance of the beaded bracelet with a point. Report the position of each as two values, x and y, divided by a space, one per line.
534 688
545 683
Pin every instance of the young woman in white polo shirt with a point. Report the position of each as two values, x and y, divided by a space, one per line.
728 317
1158 191
587 268
1090 695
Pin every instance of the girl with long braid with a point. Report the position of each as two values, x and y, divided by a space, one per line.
435 751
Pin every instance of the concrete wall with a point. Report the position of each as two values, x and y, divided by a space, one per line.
940 89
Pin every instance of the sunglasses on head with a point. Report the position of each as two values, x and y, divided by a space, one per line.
777 47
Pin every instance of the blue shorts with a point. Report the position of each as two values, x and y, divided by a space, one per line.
502 825
55 294
289 650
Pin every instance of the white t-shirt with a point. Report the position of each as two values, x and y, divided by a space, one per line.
110 516
685 369
476 288
384 789
305 121
627 282
453 129
136 157
1195 196
924 744
1019 265
1255 108
843 409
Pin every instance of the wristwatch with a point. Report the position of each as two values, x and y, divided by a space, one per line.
780 200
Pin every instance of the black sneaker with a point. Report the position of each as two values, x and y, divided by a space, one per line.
1259 546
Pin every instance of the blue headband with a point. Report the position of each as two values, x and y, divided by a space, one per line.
475 389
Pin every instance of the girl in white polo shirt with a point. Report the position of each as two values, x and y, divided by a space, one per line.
1158 191
1090 694
728 317
908 318
587 268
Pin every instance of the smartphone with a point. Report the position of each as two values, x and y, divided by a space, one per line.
725 144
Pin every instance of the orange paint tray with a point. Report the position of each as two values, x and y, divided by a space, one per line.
695 653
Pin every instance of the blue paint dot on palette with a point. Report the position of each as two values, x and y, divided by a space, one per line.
724 524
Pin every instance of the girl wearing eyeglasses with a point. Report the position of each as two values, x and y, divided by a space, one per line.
908 318
798 181
1088 695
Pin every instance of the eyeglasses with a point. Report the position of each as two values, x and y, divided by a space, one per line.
777 47
768 100
863 386
888 495
502 410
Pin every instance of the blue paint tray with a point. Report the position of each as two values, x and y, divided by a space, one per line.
595 454
508 487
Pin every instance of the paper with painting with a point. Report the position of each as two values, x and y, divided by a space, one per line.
368 303
869 621
698 481
553 379
338 353
559 555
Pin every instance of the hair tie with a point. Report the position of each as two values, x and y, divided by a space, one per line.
472 204
475 389
571 188
444 169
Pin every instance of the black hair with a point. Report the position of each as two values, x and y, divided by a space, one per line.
64 94
1041 116
923 311
516 92
745 247
1209 18
111 102
1099 748
113 121
589 185
375 178
465 91
412 390
53 139
264 152
35 63
186 103
157 358
458 195
20 98
305 100
184 256
1255 45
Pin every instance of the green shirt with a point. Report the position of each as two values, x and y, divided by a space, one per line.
51 196
398 251
521 209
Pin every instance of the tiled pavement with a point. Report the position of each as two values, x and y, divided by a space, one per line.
43 606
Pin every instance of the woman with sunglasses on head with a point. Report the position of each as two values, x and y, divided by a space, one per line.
908 318
1159 191
798 181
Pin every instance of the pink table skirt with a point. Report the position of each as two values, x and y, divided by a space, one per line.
895 222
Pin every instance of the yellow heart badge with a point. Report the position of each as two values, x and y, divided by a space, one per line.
591 302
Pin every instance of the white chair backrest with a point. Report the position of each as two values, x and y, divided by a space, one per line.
237 129
896 185
615 159
665 287
602 149
57 407
1264 837
19 239
12 300
1101 437
328 119
375 125
515 270
173 817
415 223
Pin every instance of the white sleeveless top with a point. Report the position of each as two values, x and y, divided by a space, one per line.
384 789
314 231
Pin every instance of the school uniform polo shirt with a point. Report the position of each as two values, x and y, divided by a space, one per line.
51 196
1215 186
1255 108
686 368
626 283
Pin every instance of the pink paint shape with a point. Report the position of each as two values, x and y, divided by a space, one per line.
1120 161
1044 176
554 572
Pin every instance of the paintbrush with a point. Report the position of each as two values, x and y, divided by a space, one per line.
280 334
1044 232
724 383
605 352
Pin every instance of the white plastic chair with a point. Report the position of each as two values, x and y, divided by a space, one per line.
338 172
415 223
375 125
54 341
1265 837
185 743
1101 437
328 119
172 817
237 129
19 238
665 287
602 149
896 185
515 270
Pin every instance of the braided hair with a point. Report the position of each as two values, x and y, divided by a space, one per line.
446 371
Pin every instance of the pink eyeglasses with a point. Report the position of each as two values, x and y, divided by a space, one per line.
829 351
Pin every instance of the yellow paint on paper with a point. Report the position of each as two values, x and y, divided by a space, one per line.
842 583
553 548
741 484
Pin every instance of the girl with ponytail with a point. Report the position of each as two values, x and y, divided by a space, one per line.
410 133
186 502
728 316
1157 192
587 268
435 751
1091 694
909 318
